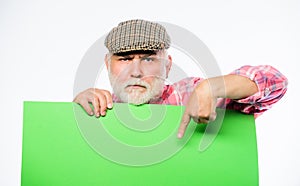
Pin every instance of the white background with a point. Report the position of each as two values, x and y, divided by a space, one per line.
43 42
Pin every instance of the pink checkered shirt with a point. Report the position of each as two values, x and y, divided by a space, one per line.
271 83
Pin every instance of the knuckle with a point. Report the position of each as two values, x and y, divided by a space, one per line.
107 93
90 90
205 115
76 100
100 92
95 97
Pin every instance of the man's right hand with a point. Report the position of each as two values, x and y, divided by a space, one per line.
100 99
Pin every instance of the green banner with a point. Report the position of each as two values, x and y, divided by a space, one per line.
133 145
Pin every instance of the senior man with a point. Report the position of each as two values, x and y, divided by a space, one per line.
138 65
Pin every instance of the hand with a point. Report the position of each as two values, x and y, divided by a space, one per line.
100 99
201 107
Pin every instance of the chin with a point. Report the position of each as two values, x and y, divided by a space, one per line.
138 99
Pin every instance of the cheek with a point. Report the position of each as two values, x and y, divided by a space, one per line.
114 69
118 71
155 70
154 74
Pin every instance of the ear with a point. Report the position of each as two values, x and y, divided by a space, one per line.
106 59
168 65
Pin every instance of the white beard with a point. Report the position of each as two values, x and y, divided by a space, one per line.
136 96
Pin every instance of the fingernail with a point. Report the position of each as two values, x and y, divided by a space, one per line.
103 113
91 113
179 135
109 105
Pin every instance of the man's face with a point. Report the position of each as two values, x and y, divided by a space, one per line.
138 77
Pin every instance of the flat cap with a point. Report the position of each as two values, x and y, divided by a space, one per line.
137 35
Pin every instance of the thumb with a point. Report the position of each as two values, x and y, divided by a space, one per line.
183 124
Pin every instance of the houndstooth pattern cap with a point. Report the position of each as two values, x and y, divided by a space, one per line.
137 34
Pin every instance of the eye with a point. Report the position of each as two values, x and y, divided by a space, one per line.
148 59
125 59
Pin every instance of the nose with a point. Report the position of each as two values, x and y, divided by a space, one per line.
135 69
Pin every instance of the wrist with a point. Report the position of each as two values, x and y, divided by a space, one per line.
214 87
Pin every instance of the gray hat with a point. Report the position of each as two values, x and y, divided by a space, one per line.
136 35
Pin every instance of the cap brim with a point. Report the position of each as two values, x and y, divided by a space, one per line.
136 52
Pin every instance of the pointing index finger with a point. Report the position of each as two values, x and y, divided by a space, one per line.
183 124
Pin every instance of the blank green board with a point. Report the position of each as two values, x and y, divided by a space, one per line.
62 145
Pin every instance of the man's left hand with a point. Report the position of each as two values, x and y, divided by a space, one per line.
201 107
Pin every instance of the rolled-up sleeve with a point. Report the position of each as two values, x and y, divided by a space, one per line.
271 83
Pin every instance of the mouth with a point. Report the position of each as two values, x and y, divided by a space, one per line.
135 86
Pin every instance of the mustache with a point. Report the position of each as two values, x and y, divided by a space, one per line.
115 81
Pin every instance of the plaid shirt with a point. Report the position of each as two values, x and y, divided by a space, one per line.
271 84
